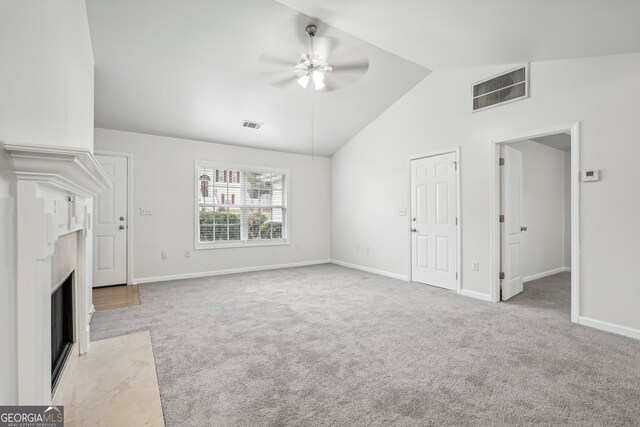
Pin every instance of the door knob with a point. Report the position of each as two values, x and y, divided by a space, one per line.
414 230
121 227
523 228
121 218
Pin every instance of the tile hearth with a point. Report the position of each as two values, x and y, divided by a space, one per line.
115 384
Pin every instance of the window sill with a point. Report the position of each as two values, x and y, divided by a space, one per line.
205 246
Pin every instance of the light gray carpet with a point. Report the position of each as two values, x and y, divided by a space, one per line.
551 294
327 345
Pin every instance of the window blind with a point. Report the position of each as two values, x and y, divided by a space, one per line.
241 204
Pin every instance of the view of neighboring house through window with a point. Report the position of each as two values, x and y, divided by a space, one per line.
241 205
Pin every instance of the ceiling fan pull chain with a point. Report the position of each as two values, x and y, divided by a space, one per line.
312 88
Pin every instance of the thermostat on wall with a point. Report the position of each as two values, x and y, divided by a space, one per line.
591 175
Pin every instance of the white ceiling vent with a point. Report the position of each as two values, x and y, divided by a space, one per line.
251 125
506 87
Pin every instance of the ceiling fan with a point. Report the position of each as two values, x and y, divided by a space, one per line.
329 64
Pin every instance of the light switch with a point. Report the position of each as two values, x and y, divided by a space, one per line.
144 211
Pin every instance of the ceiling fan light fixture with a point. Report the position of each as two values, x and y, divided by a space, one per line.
318 80
304 81
318 77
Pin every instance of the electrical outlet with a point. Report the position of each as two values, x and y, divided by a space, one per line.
146 212
164 255
357 248
187 254
475 266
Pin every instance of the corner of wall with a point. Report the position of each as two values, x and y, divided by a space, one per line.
8 249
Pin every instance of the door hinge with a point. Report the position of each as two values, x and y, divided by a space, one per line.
501 275
456 220
501 161
501 218
455 165
456 276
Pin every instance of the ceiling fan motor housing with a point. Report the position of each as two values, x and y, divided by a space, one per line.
311 30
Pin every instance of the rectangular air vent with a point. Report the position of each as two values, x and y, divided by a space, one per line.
506 87
251 125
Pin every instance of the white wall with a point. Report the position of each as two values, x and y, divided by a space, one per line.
602 93
46 87
544 207
46 78
8 250
163 181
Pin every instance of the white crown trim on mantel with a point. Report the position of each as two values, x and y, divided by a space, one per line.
53 194
71 170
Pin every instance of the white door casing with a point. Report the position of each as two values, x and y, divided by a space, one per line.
433 220
511 233
110 225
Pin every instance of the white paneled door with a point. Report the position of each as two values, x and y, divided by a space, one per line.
433 221
511 224
110 225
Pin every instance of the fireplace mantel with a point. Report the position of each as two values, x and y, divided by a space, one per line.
54 194
75 171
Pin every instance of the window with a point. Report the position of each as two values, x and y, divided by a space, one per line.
239 205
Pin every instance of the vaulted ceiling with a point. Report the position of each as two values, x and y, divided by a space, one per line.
189 69
442 34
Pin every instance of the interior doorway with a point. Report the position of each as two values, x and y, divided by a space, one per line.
536 230
434 224
111 218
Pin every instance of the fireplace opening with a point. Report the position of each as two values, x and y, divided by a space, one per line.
61 327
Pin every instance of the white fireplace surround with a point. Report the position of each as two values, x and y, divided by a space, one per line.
55 187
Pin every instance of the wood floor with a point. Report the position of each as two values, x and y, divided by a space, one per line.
115 297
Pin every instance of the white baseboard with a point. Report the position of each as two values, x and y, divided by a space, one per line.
476 295
371 270
225 272
545 274
610 327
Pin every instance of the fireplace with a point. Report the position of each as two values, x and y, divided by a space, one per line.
54 187
61 327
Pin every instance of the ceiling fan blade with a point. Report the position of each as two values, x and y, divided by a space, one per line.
345 74
270 59
330 86
337 51
324 46
340 79
359 67
276 68
284 82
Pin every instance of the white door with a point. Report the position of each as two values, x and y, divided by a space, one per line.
433 221
110 225
511 230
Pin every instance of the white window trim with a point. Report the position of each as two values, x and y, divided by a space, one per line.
244 243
